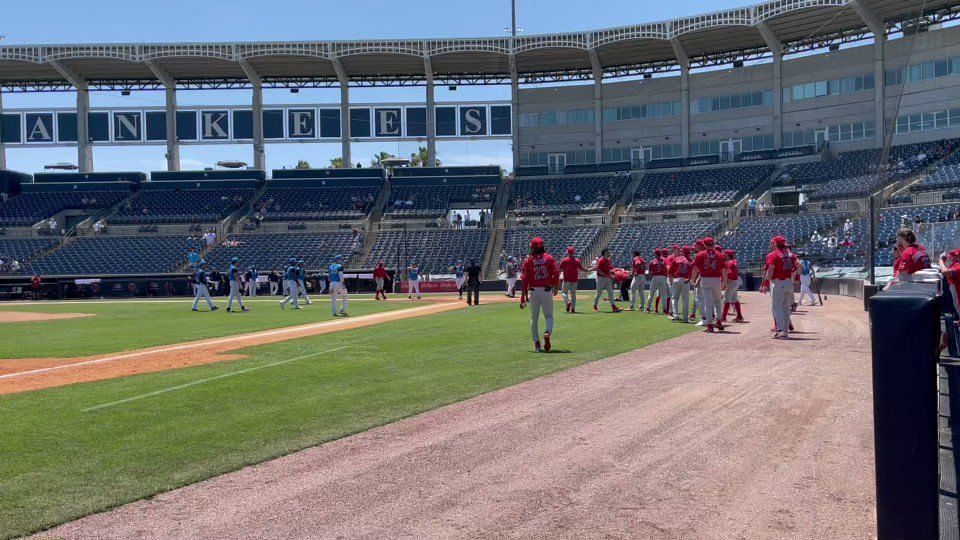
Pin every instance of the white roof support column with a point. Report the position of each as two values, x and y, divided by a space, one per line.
259 151
3 151
84 150
684 62
170 88
431 113
597 71
344 113
879 31
776 48
515 112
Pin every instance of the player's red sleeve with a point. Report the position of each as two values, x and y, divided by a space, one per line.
556 273
525 270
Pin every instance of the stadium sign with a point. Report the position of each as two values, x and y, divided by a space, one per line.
234 124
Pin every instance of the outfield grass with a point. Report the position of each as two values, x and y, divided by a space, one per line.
121 326
61 463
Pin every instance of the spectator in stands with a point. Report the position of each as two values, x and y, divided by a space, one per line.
815 238
832 242
913 256
99 226
483 218
14 266
458 220
752 207
847 226
53 226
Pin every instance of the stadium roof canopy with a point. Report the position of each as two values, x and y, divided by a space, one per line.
711 39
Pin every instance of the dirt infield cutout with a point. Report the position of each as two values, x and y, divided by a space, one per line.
26 316
25 374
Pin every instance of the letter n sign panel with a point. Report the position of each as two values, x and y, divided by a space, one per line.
388 122
214 125
127 126
473 121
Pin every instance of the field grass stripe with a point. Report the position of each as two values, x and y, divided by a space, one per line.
208 379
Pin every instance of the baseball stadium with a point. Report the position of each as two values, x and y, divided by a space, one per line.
694 277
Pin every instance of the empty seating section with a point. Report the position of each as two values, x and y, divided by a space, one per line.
435 251
946 176
516 242
644 238
267 252
698 188
751 238
104 255
567 194
30 207
181 205
432 199
22 249
857 173
315 203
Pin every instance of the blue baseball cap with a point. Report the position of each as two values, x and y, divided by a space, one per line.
293 260
233 260
202 262
337 257
301 261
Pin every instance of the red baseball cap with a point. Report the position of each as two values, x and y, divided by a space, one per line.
779 241
536 243
730 252
676 246
708 241
687 250
698 243
570 250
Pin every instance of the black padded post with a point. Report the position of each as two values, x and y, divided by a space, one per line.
904 333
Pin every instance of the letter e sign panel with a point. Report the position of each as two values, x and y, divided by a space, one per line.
473 121
388 122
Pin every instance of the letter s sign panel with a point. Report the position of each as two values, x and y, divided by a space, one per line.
473 121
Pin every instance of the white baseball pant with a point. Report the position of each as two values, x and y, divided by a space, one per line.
511 286
681 298
603 284
732 294
302 286
234 294
414 288
200 291
781 297
569 290
539 299
273 288
805 289
293 295
712 291
638 290
658 286
337 291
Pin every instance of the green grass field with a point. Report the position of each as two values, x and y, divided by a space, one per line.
76 450
121 326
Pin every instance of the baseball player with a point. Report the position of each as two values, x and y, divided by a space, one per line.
780 269
731 296
380 277
680 270
233 274
413 274
658 282
510 270
604 268
252 282
192 259
337 289
639 283
302 281
290 274
807 275
460 276
200 286
540 279
710 269
571 267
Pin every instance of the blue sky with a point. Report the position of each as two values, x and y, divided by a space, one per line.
95 21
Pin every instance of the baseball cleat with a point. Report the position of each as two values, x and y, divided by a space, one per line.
244 308
701 322
595 309
791 327
739 320
195 309
615 309
708 329
229 310
536 346
214 308
568 307
647 311
546 341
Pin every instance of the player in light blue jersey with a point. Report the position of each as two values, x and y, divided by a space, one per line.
200 286
290 274
807 275
337 288
459 272
413 286
233 274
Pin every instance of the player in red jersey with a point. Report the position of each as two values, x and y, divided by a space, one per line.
658 281
571 267
639 283
913 256
604 268
732 296
709 268
780 272
380 277
541 278
681 271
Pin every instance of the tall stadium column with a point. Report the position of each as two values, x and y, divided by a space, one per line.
3 151
170 90
430 113
256 106
84 151
776 49
597 70
684 62
878 29
515 111
344 113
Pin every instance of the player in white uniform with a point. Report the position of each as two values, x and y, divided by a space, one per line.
510 270
460 276
413 273
337 289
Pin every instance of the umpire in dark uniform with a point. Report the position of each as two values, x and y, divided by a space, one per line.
473 282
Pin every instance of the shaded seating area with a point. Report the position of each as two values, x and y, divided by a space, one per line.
435 251
106 255
267 252
570 194
516 242
646 237
699 188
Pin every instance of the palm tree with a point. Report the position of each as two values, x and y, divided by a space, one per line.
336 163
303 164
420 159
377 160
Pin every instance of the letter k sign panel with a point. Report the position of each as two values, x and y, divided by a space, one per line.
473 121
214 125
388 122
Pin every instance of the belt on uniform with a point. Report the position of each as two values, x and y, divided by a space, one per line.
548 288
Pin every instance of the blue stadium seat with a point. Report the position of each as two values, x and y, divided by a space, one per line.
435 251
31 207
104 255
567 194
701 188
